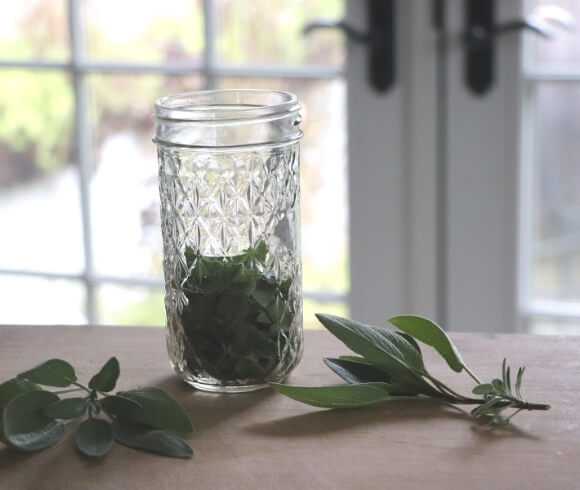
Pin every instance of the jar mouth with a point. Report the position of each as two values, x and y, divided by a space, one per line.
225 105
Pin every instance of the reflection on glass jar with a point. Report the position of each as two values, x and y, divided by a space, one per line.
229 187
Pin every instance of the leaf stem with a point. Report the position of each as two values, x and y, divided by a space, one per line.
443 387
473 376
70 390
83 387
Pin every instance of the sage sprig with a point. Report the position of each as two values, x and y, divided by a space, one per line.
389 367
33 418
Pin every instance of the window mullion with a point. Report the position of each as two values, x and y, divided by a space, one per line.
82 146
209 51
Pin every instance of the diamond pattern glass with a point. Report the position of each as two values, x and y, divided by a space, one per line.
230 221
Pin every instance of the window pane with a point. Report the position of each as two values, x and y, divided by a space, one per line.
144 31
34 29
311 307
121 305
31 300
270 31
323 177
124 194
562 50
554 327
39 201
556 223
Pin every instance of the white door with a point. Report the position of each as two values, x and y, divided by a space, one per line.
468 197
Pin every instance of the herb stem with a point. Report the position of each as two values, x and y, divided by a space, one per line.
71 390
473 376
443 387
83 387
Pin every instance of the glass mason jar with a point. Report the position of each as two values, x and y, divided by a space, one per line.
229 184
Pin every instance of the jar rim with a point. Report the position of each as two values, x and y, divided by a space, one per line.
225 105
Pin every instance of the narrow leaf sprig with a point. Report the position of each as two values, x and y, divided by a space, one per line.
389 367
33 418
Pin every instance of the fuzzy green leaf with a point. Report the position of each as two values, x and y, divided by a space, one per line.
431 334
118 405
359 359
498 385
25 425
68 408
341 396
483 389
141 437
157 410
54 372
106 378
386 350
356 372
14 387
94 437
11 389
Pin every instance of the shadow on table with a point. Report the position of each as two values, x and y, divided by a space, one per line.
320 422
208 410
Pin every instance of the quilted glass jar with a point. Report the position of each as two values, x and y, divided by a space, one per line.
230 216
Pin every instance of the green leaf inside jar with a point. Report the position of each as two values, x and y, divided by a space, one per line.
238 316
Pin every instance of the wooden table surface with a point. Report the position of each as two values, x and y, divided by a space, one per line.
263 440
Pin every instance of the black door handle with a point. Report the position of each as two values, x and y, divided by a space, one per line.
481 32
380 39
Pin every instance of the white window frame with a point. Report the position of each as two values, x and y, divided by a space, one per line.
532 75
78 67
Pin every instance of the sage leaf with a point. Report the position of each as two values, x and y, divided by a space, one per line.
411 340
383 348
340 396
498 385
358 359
431 334
157 410
14 387
106 378
138 436
26 427
11 389
66 409
94 437
483 389
54 372
356 372
118 405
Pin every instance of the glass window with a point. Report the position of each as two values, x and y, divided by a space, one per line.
39 184
552 208
562 50
137 31
81 165
126 230
34 29
270 32
41 301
